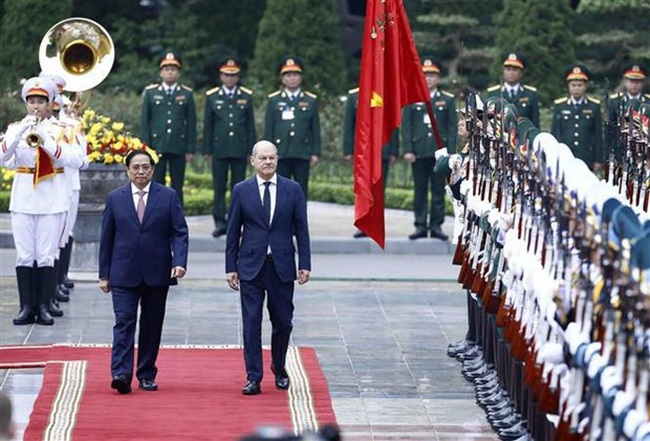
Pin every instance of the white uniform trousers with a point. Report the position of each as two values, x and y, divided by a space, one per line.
71 220
36 237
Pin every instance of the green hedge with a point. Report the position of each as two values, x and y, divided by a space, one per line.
198 195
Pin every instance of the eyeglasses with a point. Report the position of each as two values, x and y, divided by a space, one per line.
136 168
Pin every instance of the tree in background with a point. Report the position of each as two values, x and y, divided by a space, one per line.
542 31
461 37
304 28
21 31
621 35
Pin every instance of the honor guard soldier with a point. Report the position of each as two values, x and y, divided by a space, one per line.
292 123
419 150
577 120
229 135
39 198
388 153
634 74
168 122
524 97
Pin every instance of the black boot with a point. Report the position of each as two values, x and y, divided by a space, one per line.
65 257
59 294
26 316
53 308
60 290
45 280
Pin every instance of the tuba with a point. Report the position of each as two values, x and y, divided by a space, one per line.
79 50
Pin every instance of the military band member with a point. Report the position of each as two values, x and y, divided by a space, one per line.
419 147
577 120
634 75
229 135
292 123
39 198
388 153
168 122
523 96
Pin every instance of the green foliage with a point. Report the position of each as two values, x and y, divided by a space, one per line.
11 109
24 23
4 201
605 6
303 28
549 49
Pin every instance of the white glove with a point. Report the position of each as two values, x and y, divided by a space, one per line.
550 353
633 420
440 153
574 337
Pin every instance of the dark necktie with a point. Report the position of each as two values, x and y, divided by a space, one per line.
141 206
231 94
512 94
267 202
169 92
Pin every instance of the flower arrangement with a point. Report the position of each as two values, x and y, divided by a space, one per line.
107 141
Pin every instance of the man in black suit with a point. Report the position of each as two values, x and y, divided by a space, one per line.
143 249
266 211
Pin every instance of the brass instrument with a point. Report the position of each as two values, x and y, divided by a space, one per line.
33 139
79 50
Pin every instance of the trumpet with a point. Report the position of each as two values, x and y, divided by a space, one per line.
33 139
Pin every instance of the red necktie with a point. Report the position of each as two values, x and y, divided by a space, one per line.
140 209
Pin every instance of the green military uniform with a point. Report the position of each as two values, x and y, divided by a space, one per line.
524 97
349 130
417 138
229 135
294 127
580 128
525 100
578 124
168 125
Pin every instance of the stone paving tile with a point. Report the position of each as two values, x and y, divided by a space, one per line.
381 346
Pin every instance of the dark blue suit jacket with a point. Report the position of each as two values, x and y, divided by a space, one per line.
249 236
131 253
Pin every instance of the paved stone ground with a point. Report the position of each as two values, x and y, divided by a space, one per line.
379 322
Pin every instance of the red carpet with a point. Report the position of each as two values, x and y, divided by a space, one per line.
199 396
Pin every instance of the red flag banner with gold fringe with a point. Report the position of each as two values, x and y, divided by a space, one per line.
391 77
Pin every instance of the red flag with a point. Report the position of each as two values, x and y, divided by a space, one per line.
391 77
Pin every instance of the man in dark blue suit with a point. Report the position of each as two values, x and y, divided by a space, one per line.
266 211
143 250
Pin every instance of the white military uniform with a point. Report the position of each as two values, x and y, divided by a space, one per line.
37 210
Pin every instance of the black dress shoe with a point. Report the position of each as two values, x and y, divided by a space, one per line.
418 234
60 296
146 384
359 234
121 384
219 232
438 234
281 379
64 289
67 282
252 388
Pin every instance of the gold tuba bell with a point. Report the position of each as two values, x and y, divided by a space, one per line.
79 50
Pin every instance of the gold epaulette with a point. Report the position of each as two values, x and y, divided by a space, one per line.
355 90
246 90
615 95
188 88
647 95
213 90
311 95
449 94
531 88
560 100
593 100
151 86
493 88
276 93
